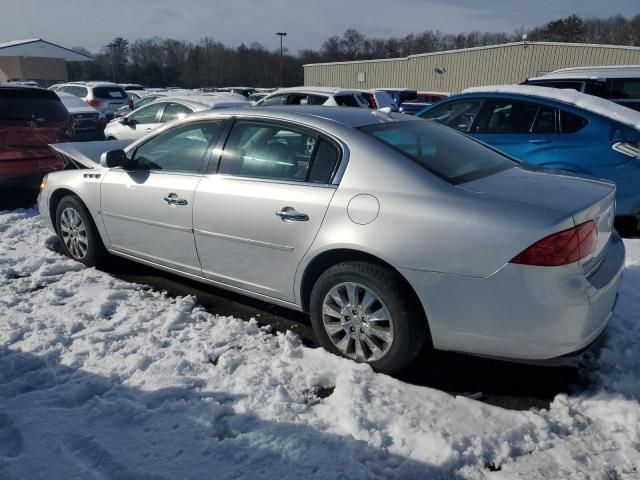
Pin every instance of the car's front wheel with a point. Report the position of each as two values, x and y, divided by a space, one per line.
77 232
364 312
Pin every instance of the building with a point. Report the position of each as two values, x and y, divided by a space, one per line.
454 70
36 60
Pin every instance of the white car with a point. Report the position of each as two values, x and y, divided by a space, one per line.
167 109
105 97
326 96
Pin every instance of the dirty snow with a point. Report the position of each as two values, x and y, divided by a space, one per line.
597 105
104 379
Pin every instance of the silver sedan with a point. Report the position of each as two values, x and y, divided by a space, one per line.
392 232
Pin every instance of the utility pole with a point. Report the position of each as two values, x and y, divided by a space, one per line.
281 35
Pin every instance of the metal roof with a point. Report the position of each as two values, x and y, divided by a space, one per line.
37 47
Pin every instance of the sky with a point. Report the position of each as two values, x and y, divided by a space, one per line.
91 23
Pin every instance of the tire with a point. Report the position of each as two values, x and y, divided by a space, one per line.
363 324
88 247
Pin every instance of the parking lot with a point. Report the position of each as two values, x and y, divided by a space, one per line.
314 283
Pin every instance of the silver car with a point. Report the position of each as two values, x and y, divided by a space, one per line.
390 231
167 109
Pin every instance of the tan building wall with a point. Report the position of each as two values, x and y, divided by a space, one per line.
501 64
45 71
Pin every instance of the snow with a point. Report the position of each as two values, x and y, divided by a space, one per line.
597 105
106 379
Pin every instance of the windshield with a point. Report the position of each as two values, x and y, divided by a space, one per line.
441 150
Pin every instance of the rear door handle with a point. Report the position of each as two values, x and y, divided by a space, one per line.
173 199
539 141
288 214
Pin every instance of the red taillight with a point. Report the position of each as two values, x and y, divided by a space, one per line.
561 248
94 103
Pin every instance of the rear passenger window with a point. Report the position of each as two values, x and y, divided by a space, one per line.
545 121
508 116
570 123
268 151
346 101
623 88
81 92
324 163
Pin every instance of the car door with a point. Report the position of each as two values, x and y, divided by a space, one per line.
255 219
522 129
140 122
147 209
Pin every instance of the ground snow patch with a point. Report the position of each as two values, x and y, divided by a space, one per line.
100 378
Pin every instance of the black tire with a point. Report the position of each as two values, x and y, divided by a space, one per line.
410 329
95 252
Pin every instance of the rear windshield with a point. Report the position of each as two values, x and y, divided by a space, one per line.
448 154
109 92
35 105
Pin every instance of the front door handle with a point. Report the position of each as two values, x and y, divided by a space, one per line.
539 141
173 199
288 214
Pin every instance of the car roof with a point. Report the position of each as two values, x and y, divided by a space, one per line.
346 116
590 103
608 71
206 101
94 84
324 90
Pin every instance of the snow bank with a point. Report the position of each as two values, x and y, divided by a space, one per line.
102 378
597 105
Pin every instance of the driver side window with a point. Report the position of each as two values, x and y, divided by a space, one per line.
146 114
179 149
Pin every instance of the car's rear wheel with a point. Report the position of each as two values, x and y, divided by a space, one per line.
364 312
77 232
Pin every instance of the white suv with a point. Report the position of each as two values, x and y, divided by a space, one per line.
105 97
327 96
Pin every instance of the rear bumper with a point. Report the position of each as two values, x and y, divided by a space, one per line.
521 313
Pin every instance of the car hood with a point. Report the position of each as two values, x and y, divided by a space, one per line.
86 154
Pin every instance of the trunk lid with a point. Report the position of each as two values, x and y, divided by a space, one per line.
581 198
86 154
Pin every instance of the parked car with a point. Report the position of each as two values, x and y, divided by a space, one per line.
553 128
431 97
30 119
618 83
88 123
401 95
132 86
379 99
165 110
389 230
244 91
126 109
257 96
327 96
411 108
103 96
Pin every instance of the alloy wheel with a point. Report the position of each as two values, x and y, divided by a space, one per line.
357 322
74 233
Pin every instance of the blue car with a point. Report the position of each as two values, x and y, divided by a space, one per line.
560 129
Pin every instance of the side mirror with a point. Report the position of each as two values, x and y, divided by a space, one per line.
114 158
